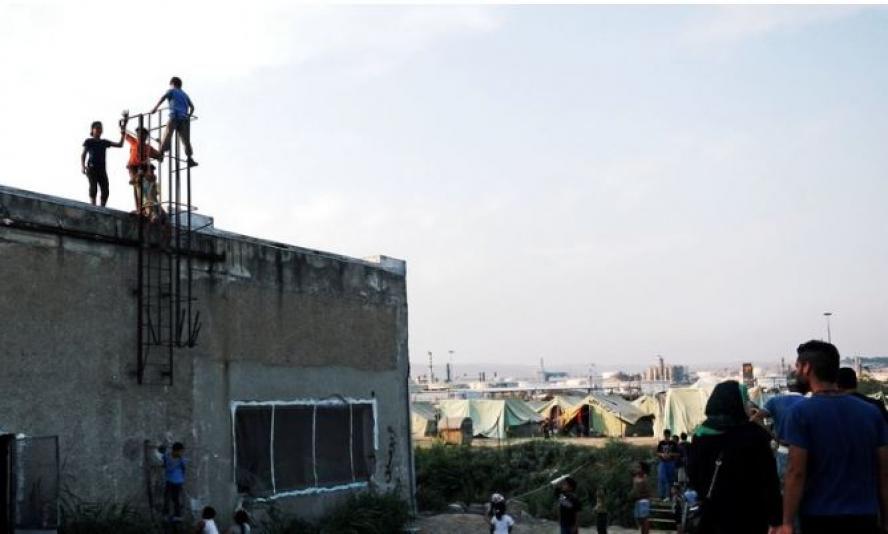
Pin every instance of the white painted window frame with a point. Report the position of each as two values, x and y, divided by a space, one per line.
317 488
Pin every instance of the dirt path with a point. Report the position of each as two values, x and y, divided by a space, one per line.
472 523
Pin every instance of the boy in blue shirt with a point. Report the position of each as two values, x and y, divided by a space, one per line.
181 109
174 470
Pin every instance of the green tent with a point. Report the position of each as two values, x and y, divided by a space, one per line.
494 418
684 409
423 420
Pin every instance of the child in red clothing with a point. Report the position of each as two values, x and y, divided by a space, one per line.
141 172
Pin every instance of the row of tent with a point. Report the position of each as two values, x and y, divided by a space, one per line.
602 415
678 409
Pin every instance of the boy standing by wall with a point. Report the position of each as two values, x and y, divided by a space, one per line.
181 109
174 468
94 168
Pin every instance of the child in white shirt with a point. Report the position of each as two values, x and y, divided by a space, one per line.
501 523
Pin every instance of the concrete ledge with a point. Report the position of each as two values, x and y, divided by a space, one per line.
73 216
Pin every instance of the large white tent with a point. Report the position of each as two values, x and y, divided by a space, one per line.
494 418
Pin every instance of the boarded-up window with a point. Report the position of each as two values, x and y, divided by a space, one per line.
282 447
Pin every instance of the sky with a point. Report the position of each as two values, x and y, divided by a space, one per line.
588 184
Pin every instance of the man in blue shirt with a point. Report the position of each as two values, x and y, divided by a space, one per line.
837 478
181 109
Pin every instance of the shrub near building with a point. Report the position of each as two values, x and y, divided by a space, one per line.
447 474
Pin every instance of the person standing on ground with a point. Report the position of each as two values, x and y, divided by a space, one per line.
174 468
778 408
682 463
837 478
641 494
847 382
501 522
241 523
600 512
207 523
94 167
181 109
569 506
667 452
732 468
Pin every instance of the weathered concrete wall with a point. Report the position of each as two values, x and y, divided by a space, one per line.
280 323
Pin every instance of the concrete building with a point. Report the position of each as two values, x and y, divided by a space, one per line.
296 392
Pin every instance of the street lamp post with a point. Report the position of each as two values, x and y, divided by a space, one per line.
828 332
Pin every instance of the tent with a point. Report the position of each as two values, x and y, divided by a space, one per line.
651 405
609 415
423 420
558 405
684 409
494 418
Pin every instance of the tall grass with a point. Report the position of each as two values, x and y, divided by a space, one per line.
447 474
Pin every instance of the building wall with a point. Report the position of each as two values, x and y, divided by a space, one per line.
279 323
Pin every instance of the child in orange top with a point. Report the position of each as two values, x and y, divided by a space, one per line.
141 171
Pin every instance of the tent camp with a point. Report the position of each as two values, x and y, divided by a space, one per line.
423 420
684 409
609 415
494 418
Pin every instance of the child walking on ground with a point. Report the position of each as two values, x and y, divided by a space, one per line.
241 523
207 523
94 168
600 512
174 469
569 505
501 522
181 109
641 494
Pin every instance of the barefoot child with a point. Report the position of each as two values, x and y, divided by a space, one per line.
641 494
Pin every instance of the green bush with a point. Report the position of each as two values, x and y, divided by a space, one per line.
364 513
447 474
104 518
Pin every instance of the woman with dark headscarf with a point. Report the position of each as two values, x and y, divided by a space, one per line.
745 495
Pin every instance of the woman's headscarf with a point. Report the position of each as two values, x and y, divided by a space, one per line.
725 408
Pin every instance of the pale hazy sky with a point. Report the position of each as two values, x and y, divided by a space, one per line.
581 183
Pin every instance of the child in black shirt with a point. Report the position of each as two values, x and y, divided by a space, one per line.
94 169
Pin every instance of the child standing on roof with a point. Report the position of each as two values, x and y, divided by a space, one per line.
94 168
181 109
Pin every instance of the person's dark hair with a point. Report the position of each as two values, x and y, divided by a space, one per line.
177 446
572 484
684 436
208 512
242 519
726 402
645 467
846 379
176 82
667 432
94 125
823 358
